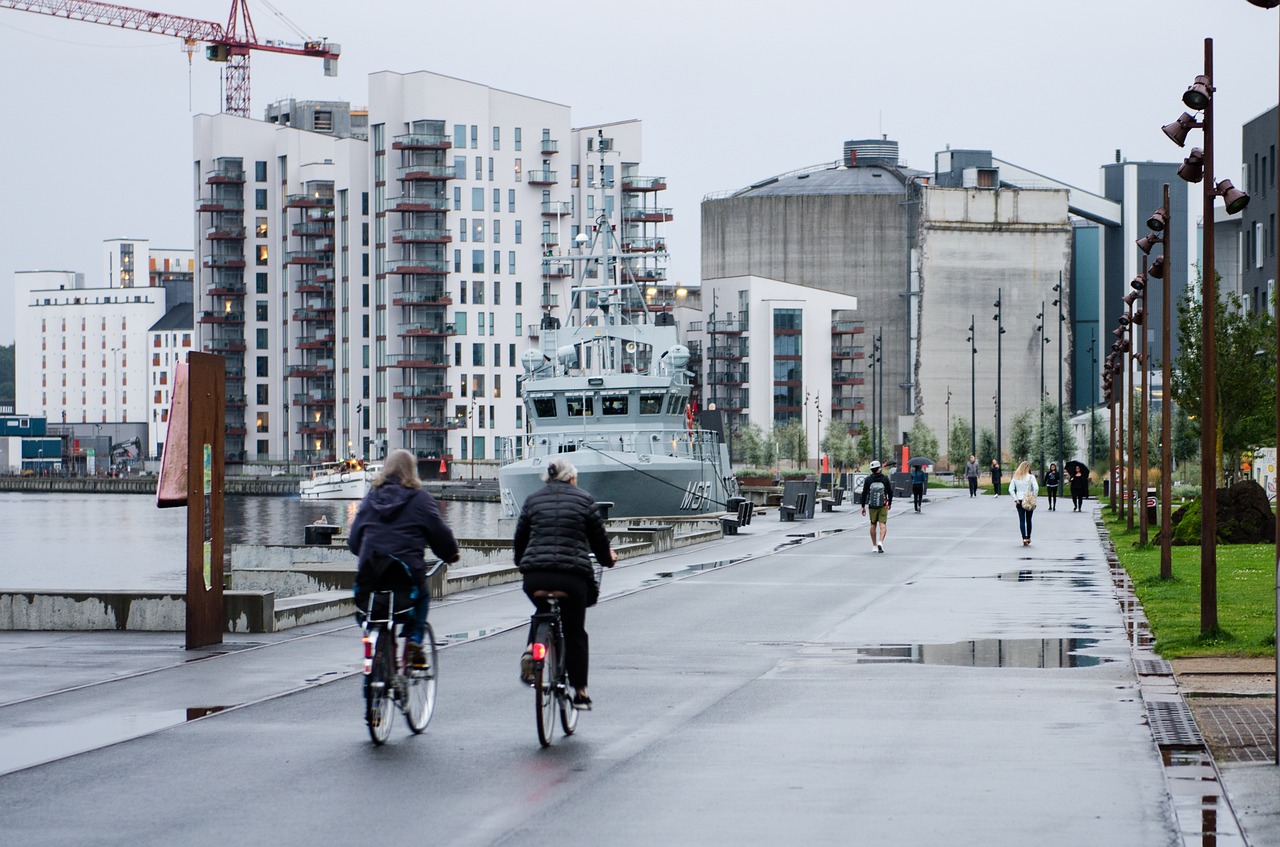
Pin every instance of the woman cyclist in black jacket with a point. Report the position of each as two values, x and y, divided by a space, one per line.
557 529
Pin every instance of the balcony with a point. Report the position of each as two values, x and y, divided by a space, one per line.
728 377
426 170
556 208
226 289
421 236
410 330
220 204
322 253
418 266
441 423
317 397
644 245
644 183
322 228
421 141
557 269
415 297
847 327
649 274
541 177
422 392
223 317
324 426
313 315
320 367
727 352
419 359
225 345
550 239
315 200
319 341
642 215
842 377
550 146
550 301
418 204
847 404
215 233
225 175
848 353
727 327
225 260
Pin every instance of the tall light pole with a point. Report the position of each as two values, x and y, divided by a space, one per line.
1198 167
1057 289
1093 397
950 461
973 388
1162 270
998 317
1040 399
1271 4
1139 285
1131 350
875 349
880 365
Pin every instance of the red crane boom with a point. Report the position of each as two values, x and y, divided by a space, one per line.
231 43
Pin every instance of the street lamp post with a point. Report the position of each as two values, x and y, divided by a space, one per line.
1058 290
1139 285
973 388
998 317
1040 399
1162 270
1197 167
1271 4
875 349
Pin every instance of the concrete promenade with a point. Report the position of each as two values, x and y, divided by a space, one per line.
958 688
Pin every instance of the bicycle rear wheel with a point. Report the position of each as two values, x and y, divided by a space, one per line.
421 701
568 714
378 705
544 683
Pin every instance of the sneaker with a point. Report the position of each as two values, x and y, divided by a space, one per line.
879 548
582 702
414 656
526 668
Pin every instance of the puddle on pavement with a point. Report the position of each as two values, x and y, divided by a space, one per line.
194 712
1074 578
982 653
470 635
692 569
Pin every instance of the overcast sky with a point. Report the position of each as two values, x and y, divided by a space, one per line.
97 139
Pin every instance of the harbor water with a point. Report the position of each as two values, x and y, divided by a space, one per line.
68 541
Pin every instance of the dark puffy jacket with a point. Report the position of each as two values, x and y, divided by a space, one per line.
400 522
557 528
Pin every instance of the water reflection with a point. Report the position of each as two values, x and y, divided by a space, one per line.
982 653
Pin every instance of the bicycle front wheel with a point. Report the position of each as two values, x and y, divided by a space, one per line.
544 687
378 705
421 700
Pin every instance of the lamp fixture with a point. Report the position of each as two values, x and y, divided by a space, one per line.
1192 169
1146 242
1234 198
1197 96
1139 282
1157 268
1159 220
1177 131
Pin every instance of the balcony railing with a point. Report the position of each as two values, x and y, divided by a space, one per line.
550 301
316 397
422 392
224 174
847 327
644 245
320 228
225 260
220 204
408 203
415 235
421 141
554 268
727 352
541 177
429 297
644 183
426 171
642 215
848 352
550 239
308 201
550 146
649 274
425 328
418 359
218 232
418 266
223 317
727 326
730 377
557 207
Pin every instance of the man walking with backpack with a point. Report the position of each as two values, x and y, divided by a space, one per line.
877 494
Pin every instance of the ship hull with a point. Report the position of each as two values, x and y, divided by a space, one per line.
345 485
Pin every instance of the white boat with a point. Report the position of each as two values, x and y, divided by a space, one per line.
611 393
338 481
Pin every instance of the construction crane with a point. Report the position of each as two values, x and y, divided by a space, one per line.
230 44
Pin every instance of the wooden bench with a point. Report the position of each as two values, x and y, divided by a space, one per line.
728 525
786 513
828 504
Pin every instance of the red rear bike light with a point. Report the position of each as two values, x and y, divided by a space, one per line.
368 647
539 652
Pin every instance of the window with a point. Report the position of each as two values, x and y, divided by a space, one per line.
544 407
519 293
462 293
519 232
460 167
490 169
364 319
497 348
613 404
497 389
457 262
263 398
497 199
260 171
477 294
462 229
460 136
497 261
478 444
260 227
261 282
519 171
262 366
497 231
477 354
460 327
477 229
475 136
457 353
364 234
497 138
480 168
497 292
517 138
651 404
477 261
579 407
261 339
511 261
260 198
480 323
511 199
511 352
477 199
477 386
457 198
260 310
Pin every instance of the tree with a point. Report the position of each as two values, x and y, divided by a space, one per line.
866 450
959 442
922 440
1099 441
748 443
837 443
1022 436
1186 436
1048 437
793 443
986 447
1244 375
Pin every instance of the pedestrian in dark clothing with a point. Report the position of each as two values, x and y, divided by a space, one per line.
558 528
995 477
1052 479
918 481
398 519
1079 489
971 474
877 495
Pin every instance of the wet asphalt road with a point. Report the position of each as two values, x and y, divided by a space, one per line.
821 694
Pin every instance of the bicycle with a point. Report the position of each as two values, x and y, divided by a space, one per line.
386 685
551 688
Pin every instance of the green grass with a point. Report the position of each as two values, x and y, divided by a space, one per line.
1246 595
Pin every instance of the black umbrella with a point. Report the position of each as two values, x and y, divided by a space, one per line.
1070 468
919 462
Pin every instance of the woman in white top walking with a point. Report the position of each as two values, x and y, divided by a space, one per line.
1022 484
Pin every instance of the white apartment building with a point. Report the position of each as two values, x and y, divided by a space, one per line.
374 295
81 350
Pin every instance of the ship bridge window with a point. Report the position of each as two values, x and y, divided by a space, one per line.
579 407
675 404
544 407
651 404
614 404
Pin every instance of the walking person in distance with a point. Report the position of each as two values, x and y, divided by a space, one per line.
1023 488
558 528
918 480
995 477
1052 479
1079 489
971 474
877 494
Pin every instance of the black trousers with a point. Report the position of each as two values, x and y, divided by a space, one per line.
973 486
1053 496
917 494
1077 499
573 613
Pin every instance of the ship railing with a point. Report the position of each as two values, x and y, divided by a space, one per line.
699 444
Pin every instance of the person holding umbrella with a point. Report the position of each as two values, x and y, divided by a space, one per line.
1079 486
918 481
